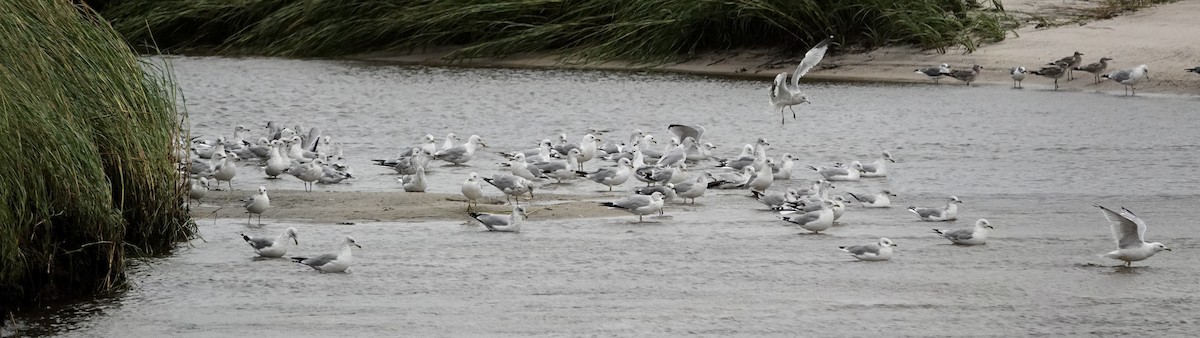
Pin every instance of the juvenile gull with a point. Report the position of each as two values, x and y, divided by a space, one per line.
967 76
1018 75
947 213
1069 63
783 95
502 223
472 190
257 204
1128 77
879 200
935 73
879 251
331 262
272 247
1130 232
975 235
1096 68
1055 72
639 205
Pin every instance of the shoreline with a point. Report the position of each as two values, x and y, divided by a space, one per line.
1148 36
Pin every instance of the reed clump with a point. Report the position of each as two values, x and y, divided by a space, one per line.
89 177
579 30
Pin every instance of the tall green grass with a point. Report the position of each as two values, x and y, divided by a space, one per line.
584 30
88 176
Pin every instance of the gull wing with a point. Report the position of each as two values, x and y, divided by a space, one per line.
811 59
1127 228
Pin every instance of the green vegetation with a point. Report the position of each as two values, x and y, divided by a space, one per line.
89 177
1079 13
581 30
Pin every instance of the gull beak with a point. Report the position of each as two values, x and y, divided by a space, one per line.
359 246
294 240
1168 249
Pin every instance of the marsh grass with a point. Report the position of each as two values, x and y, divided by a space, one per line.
649 31
89 177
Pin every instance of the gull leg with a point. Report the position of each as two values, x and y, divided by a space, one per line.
793 112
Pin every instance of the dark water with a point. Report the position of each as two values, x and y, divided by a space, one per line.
1032 162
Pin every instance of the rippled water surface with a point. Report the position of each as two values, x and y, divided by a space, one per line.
1032 162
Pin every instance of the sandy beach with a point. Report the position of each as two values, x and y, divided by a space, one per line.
1151 36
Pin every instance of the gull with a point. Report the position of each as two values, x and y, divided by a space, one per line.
839 173
652 175
539 153
610 176
934 73
502 223
413 183
976 235
587 149
691 189
297 153
879 200
199 188
1130 233
677 154
276 163
746 156
1055 72
730 180
329 262
666 190
1096 68
272 247
1070 62
877 168
947 213
639 205
703 152
521 168
815 221
409 162
450 138
334 173
839 206
1018 75
1130 77
206 151
429 144
775 200
308 172
257 204
783 171
783 95
697 151
472 190
511 185
560 169
224 170
461 153
967 76
880 251
760 180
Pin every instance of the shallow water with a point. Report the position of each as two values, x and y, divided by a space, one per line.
1032 162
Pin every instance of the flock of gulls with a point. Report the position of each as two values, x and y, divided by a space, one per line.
679 172
1066 66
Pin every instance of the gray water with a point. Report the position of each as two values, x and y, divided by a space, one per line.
1032 162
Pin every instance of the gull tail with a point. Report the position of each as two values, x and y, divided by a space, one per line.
581 173
813 168
756 194
939 231
843 248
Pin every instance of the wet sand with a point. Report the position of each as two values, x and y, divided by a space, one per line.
353 206
1149 36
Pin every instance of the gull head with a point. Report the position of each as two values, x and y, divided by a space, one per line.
291 233
262 190
520 210
763 142
1145 70
888 193
350 241
856 165
429 138
473 177
1158 247
885 242
983 223
887 155
954 199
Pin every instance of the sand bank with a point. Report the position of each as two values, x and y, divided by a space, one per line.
1159 36
334 207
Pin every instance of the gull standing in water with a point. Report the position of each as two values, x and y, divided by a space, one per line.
1130 233
783 95
272 247
967 76
338 262
472 190
878 168
502 223
880 251
947 213
257 204
976 235
1096 68
934 73
1018 75
1127 77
